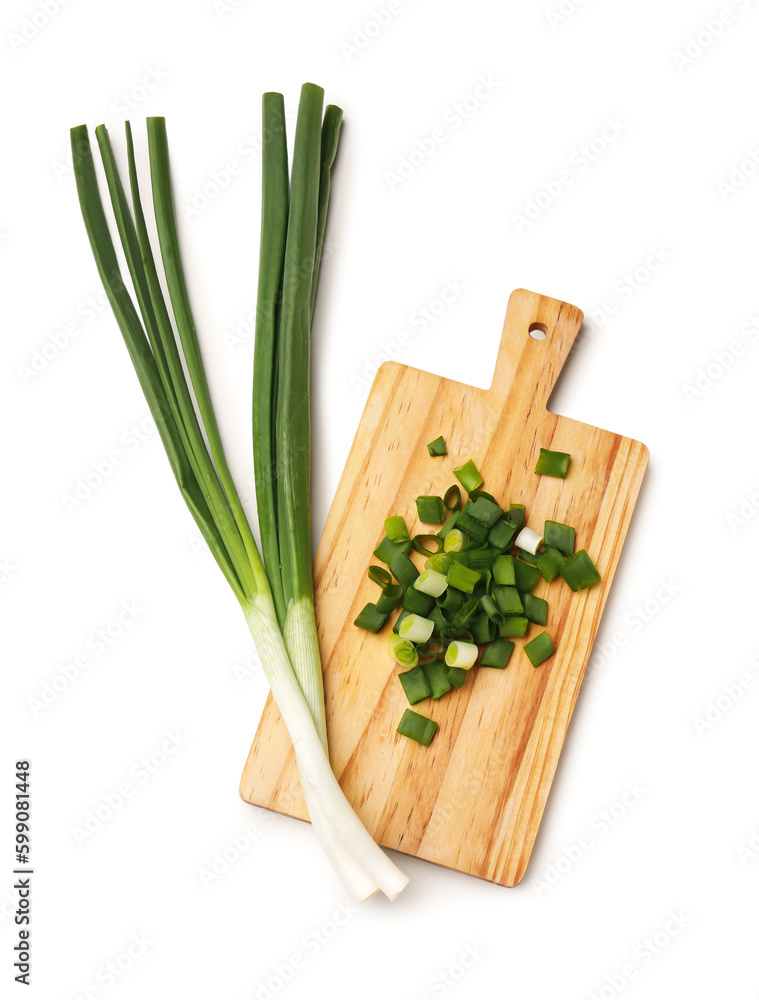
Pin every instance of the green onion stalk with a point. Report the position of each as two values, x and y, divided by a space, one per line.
276 591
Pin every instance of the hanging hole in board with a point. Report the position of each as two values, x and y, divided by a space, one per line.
538 331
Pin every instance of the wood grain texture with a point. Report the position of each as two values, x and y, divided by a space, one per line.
473 800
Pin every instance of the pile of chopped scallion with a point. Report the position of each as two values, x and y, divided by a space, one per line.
276 591
474 595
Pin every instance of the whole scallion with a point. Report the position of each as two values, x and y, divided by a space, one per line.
277 601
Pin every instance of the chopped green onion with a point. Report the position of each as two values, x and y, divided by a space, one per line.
403 569
380 576
462 577
515 514
400 620
476 494
468 476
509 601
535 609
456 675
539 648
527 576
513 626
486 511
396 530
402 651
471 525
416 602
491 609
503 571
416 628
451 600
371 619
549 562
386 551
579 571
497 654
431 510
431 582
462 654
528 557
437 447
559 536
436 562
455 541
389 599
474 558
416 727
449 525
552 463
415 684
419 544
466 612
528 540
483 629
438 618
502 533
452 498
439 683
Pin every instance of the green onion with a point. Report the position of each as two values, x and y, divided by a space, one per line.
417 727
476 494
535 609
415 628
437 679
400 620
468 476
462 654
402 651
277 601
491 609
416 602
403 569
419 543
437 447
449 525
431 582
502 533
386 551
436 562
527 576
539 648
452 600
486 511
396 530
439 620
455 540
456 675
389 599
380 576
549 563
452 498
559 536
431 510
462 577
503 571
477 529
579 571
528 540
370 618
508 599
415 684
552 463
497 654
515 514
513 626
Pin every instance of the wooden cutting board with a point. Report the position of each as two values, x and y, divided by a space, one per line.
473 799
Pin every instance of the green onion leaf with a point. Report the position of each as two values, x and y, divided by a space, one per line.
431 510
437 447
417 727
539 648
579 571
553 463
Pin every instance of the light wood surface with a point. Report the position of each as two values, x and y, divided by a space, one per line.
473 800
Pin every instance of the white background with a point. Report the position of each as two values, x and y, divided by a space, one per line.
584 922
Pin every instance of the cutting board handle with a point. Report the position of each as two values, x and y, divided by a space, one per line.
538 333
